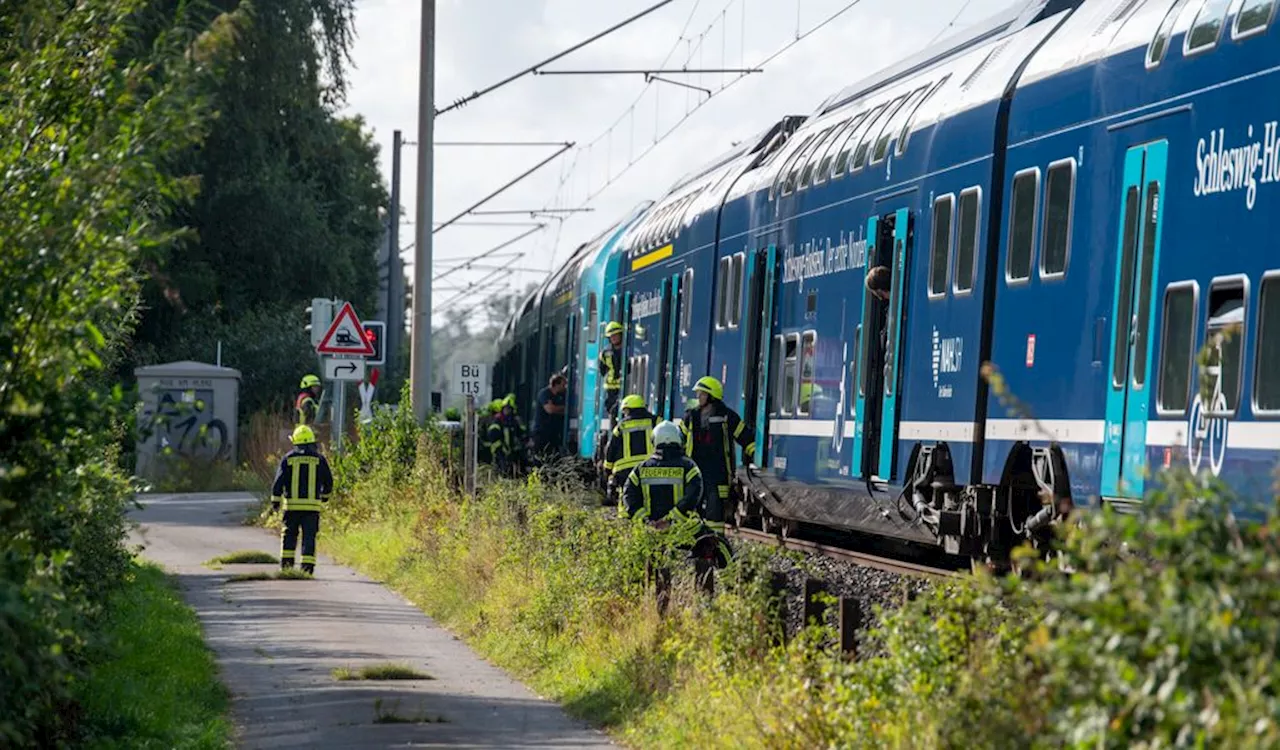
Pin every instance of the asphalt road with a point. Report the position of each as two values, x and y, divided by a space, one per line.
278 641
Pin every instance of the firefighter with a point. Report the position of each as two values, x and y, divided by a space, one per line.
710 430
303 483
611 368
506 438
664 485
307 402
484 418
630 443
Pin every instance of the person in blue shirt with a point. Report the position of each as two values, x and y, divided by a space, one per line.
548 418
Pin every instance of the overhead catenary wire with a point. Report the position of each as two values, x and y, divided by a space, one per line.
486 254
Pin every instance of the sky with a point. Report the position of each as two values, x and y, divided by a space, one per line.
632 139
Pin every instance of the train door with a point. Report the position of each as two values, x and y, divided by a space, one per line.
566 367
880 339
1124 456
760 282
588 377
668 388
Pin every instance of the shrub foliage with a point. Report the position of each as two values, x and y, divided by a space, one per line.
1151 630
89 124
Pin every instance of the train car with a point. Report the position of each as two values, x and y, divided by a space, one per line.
1142 147
1069 204
668 269
597 299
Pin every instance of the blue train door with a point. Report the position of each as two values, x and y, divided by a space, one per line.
1124 458
880 338
668 390
761 276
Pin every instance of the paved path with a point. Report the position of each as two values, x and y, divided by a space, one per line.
278 641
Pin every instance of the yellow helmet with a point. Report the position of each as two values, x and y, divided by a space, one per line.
634 401
613 327
309 381
303 435
709 386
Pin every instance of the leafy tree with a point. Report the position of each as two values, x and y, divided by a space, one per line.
90 130
288 208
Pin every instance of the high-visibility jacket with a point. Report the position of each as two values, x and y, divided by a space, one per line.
611 369
709 435
631 441
307 407
303 480
663 482
505 435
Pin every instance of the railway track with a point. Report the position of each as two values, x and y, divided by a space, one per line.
865 559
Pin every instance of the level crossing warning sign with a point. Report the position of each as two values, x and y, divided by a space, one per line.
346 335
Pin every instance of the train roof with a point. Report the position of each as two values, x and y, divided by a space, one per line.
974 68
688 196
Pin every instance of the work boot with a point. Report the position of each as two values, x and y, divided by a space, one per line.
286 564
309 569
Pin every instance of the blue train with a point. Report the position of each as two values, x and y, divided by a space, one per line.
1073 201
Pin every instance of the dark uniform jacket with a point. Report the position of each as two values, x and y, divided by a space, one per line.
307 407
611 368
506 435
303 480
664 482
709 437
631 441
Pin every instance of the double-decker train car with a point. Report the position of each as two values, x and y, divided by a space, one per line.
1070 205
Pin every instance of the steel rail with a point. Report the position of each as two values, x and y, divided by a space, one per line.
864 559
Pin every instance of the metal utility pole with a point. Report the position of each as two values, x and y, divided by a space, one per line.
395 266
420 373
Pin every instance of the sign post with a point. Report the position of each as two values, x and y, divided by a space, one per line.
469 381
349 342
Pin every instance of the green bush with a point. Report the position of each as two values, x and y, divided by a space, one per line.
89 126
1157 629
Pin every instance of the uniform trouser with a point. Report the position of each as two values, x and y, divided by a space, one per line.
611 403
308 522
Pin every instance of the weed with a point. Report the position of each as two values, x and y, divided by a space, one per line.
287 574
380 672
245 557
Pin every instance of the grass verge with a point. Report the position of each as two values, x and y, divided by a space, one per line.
152 683
380 672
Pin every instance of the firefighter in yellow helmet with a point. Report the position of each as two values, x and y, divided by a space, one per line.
630 442
710 430
302 484
506 438
611 368
307 403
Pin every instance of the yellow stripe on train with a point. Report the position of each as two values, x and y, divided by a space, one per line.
649 259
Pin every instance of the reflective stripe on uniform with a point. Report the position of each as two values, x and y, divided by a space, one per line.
627 431
300 497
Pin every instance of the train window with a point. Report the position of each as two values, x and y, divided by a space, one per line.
1129 247
686 310
613 308
892 126
808 355
829 153
735 292
811 159
794 173
1022 225
1177 338
787 383
863 151
1253 18
1206 28
841 162
778 356
915 111
1146 281
1266 373
722 293
1224 338
1059 191
967 240
788 176
940 249
859 136
1160 42
593 319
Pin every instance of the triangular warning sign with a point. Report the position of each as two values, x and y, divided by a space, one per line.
346 335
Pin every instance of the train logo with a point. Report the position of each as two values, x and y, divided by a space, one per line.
1207 426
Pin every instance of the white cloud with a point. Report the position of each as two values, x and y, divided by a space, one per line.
481 41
